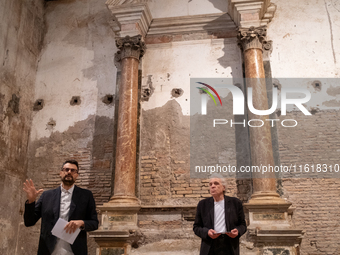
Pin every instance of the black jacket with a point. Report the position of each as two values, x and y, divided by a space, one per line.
234 218
47 208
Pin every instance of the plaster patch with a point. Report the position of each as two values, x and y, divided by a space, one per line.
183 60
333 91
332 103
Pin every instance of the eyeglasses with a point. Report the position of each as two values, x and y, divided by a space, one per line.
69 169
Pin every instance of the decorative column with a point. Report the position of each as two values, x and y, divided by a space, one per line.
130 22
118 230
131 49
252 41
270 226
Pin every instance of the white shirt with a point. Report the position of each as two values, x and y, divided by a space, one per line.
219 217
62 247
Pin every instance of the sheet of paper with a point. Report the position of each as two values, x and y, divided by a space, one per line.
58 231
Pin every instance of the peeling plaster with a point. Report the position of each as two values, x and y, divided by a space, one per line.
76 60
203 58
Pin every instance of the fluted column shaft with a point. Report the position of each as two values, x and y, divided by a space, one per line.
252 41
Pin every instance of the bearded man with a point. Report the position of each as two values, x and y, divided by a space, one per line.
69 202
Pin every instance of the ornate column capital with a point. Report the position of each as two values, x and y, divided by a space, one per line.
253 38
130 47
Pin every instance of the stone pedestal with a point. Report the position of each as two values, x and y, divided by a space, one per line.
271 226
121 232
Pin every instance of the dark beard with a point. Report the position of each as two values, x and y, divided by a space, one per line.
68 182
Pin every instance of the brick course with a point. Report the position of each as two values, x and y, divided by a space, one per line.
315 140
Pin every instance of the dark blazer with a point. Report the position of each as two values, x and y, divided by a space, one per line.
47 208
234 218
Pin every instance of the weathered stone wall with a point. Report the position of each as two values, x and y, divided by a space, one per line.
164 173
316 141
72 92
305 38
76 83
76 79
306 44
21 33
165 120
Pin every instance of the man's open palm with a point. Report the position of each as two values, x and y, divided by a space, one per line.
31 192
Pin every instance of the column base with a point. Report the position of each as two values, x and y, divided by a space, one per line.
123 202
122 213
270 222
121 231
264 197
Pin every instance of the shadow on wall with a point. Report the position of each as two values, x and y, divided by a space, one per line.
222 5
242 142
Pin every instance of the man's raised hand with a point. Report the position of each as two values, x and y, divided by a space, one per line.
31 192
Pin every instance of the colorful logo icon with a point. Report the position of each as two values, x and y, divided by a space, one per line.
207 91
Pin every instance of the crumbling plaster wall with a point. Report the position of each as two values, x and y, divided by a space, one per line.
21 32
306 43
165 117
306 38
75 78
76 83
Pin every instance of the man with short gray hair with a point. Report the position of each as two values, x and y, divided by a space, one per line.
219 221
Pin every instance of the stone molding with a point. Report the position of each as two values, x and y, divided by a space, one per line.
133 17
190 24
130 47
121 2
248 13
253 38
129 19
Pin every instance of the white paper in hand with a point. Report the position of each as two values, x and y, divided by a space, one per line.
58 231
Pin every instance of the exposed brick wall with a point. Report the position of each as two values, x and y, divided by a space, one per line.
165 160
315 140
154 188
95 174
